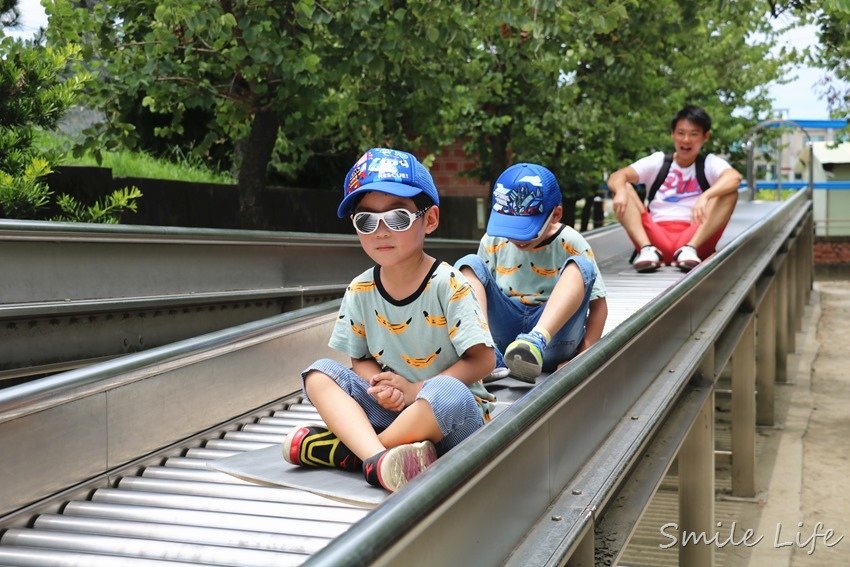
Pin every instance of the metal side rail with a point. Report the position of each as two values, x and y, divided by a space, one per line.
72 294
107 465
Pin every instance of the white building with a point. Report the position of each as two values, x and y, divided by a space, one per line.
831 196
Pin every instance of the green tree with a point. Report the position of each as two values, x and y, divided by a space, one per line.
280 80
579 86
8 13
833 21
583 88
33 93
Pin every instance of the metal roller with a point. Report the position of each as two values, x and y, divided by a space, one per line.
236 446
217 490
228 505
206 519
252 437
150 549
283 421
184 534
265 428
29 557
299 412
185 463
194 475
207 453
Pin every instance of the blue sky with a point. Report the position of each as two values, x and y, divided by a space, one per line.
797 99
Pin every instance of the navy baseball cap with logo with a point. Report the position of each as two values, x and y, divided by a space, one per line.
523 198
389 171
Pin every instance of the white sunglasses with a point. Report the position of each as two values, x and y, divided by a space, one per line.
397 220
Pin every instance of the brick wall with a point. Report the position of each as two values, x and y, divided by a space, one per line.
832 251
446 173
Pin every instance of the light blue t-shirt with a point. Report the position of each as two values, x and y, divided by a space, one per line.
528 276
417 337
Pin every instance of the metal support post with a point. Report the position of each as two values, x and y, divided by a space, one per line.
766 356
802 273
583 554
793 278
810 251
781 300
744 414
751 170
696 478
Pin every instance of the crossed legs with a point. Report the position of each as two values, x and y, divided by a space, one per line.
668 237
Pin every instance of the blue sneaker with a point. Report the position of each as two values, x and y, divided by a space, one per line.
524 356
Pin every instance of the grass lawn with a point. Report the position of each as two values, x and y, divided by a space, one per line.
127 163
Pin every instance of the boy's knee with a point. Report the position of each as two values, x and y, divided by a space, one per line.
730 201
448 386
444 392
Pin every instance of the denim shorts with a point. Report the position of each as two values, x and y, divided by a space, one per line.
508 318
454 406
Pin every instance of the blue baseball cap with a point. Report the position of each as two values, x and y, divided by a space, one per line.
523 198
389 171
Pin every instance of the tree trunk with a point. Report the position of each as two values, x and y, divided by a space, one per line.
598 212
498 149
585 213
499 155
256 154
569 216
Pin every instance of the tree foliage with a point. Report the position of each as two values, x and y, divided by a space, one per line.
581 87
585 87
33 93
107 210
277 79
833 21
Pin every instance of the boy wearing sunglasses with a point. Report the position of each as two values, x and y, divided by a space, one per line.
535 278
418 342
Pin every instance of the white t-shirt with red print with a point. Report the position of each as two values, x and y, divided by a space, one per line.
680 190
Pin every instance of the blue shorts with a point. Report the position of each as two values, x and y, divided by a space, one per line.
508 318
454 406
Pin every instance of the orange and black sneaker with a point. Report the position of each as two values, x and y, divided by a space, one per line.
393 468
313 445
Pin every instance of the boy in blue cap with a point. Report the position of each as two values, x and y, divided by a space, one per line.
535 277
417 339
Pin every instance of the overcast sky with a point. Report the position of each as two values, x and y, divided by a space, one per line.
798 99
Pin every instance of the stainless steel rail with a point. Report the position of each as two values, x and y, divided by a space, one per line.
79 293
118 450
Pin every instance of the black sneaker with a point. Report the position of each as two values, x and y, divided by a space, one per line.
393 468
313 445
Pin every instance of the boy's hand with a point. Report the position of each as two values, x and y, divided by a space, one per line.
403 389
620 201
389 398
698 212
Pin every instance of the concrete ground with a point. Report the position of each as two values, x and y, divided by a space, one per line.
802 509
806 489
